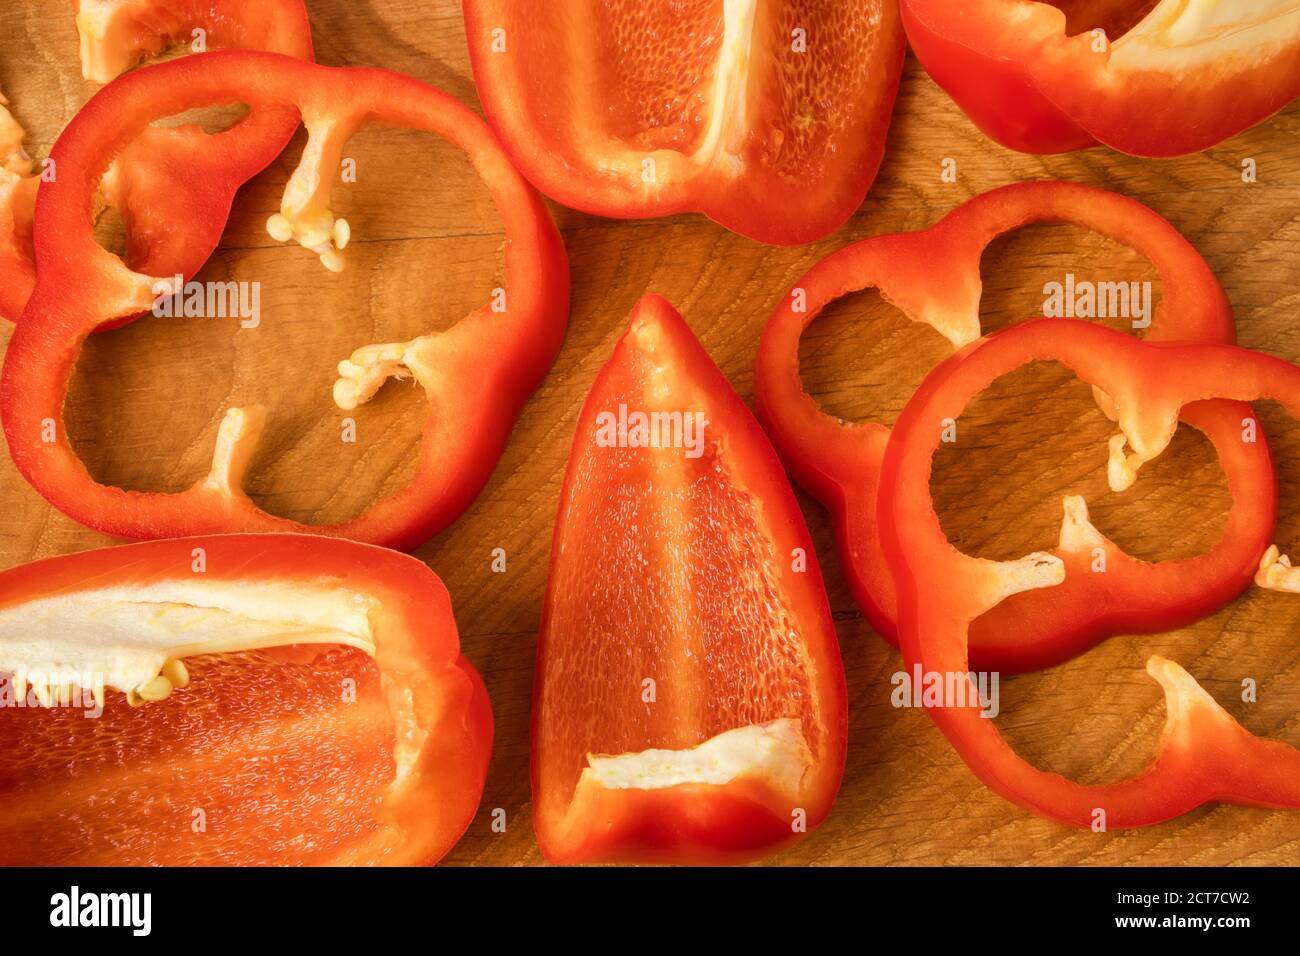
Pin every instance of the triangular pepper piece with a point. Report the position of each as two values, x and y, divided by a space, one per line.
689 701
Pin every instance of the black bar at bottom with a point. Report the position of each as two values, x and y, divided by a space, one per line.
639 905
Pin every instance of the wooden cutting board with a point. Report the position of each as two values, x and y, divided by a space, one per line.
147 399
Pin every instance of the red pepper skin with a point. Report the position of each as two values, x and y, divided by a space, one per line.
190 174
489 363
1011 67
417 653
933 277
1204 754
792 171
683 607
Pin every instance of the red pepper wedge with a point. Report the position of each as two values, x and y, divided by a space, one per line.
289 699
1145 78
689 702
769 118
1204 754
477 375
933 277
172 187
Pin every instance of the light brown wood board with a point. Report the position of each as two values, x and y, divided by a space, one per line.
147 399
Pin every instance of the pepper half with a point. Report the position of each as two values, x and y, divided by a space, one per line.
173 187
1204 754
1145 78
768 116
932 276
288 699
476 375
689 701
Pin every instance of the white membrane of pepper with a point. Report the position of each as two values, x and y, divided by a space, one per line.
305 213
1146 429
992 582
106 33
134 637
774 752
728 120
1178 35
1274 573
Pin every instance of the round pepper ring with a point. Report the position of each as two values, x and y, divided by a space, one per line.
933 276
1204 754
476 375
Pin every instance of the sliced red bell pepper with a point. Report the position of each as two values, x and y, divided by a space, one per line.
477 375
769 118
1204 755
304 701
172 187
933 277
689 701
1146 78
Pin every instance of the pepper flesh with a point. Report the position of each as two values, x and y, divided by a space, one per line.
689 701
1145 78
476 375
173 187
768 116
1204 754
379 748
933 277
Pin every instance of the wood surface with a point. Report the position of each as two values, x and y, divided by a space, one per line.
147 399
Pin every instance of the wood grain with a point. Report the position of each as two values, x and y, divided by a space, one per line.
147 399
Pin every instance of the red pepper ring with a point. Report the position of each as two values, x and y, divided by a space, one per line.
1204 754
477 375
933 277
172 186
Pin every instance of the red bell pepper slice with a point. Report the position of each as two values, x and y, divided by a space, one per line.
1204 754
304 701
769 118
477 375
933 277
1145 78
689 701
172 187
